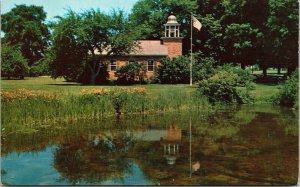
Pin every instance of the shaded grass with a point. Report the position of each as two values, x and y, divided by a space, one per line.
262 93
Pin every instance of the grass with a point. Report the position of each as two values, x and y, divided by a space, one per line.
39 111
270 72
263 92
66 88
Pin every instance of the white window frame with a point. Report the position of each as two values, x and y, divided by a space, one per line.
110 65
131 62
152 65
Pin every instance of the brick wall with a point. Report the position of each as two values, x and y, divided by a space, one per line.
174 46
122 61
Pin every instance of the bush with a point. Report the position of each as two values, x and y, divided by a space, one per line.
204 69
13 63
131 73
245 78
223 86
174 71
40 68
288 94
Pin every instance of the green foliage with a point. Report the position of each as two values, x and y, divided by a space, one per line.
282 37
174 71
24 27
149 16
226 86
118 100
131 73
244 77
241 41
68 51
41 67
13 64
83 42
204 69
288 94
245 32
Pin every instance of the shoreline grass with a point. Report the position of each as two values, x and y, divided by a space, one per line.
66 102
28 110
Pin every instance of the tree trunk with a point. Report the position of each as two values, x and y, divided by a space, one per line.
278 70
93 78
265 71
243 66
290 70
94 69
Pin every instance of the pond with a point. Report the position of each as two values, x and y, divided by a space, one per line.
238 145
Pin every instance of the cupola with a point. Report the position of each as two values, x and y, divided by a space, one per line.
172 27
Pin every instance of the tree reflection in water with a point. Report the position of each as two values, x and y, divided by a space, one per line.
95 158
239 145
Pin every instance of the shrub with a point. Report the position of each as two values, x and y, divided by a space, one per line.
204 69
13 63
131 73
223 86
41 67
244 79
288 94
174 71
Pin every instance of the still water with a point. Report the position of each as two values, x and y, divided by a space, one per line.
240 145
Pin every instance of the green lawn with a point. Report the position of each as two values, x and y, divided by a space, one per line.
59 85
70 106
269 72
261 92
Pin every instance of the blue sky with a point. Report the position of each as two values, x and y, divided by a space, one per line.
58 7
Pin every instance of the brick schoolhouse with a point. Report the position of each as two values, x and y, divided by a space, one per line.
150 52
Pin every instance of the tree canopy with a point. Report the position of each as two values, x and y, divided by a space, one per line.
25 27
246 32
88 40
263 32
13 64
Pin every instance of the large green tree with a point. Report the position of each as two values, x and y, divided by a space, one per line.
25 27
241 43
248 32
282 38
83 42
150 16
13 64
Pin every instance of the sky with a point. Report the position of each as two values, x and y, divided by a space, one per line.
59 7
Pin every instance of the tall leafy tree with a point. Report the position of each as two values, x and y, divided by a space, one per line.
150 16
88 40
67 52
283 23
241 40
25 27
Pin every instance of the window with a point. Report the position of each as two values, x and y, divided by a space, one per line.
150 65
113 65
131 62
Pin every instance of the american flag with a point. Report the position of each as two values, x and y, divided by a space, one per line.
196 23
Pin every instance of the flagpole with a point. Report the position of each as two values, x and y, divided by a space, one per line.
191 73
190 147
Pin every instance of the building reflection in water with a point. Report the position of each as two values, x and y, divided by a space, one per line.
171 143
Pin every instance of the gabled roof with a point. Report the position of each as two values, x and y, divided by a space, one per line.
147 48
150 47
